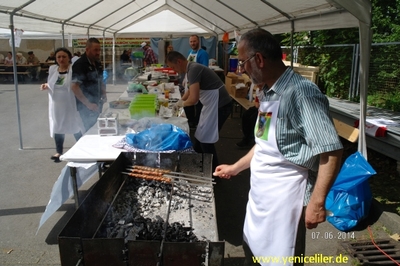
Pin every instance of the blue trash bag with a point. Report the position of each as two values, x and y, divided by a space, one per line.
350 197
160 137
105 76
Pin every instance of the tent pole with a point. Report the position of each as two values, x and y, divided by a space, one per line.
365 48
291 43
62 33
15 68
113 59
104 50
16 81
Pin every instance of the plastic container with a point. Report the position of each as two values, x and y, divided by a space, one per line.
233 63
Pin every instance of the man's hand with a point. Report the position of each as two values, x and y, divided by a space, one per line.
93 107
177 106
44 86
225 171
104 98
315 214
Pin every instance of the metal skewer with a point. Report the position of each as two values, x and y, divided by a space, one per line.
189 179
209 181
180 174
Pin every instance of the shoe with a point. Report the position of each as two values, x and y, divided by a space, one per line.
56 157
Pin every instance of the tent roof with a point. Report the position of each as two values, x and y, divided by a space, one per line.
178 17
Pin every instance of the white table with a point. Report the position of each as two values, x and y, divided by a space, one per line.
83 159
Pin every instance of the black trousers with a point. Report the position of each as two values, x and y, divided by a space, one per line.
193 113
249 119
223 114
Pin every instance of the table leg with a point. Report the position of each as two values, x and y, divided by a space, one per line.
99 167
74 186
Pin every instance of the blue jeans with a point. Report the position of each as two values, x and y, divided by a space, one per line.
59 140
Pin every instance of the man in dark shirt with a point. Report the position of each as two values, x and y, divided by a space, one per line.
87 85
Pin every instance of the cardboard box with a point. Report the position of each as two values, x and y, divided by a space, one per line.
232 79
238 93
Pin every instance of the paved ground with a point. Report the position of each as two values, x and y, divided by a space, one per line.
27 176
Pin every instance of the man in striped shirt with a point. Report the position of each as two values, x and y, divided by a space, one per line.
294 134
149 55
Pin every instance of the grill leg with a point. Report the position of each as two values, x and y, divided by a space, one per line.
74 186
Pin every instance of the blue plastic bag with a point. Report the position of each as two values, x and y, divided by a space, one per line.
350 197
160 137
105 76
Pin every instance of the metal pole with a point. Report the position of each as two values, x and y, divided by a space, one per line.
113 59
62 33
15 69
16 81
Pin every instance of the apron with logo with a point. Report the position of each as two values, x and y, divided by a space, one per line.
192 57
63 115
276 195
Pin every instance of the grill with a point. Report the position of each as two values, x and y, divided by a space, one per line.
368 254
132 221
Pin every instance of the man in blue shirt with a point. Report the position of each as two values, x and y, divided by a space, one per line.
198 55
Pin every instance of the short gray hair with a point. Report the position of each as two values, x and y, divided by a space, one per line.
262 41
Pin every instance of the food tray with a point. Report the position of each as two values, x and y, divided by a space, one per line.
119 104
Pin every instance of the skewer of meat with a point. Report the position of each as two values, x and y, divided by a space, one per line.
146 168
149 177
138 171
164 171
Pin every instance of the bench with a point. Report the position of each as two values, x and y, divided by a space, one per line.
19 74
12 73
243 102
309 72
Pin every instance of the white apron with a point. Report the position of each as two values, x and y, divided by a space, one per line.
63 115
276 195
207 128
192 57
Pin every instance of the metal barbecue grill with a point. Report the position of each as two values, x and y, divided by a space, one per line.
152 219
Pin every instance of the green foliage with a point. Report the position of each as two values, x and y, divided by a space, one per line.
335 63
389 101
385 20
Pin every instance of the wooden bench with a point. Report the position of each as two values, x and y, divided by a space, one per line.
243 102
12 73
309 72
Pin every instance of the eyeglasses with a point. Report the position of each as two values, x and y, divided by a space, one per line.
242 63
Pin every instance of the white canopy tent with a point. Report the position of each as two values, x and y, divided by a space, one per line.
144 18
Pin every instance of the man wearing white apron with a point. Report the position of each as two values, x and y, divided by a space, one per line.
204 85
294 133
197 54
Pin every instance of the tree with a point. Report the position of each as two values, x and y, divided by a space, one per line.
334 62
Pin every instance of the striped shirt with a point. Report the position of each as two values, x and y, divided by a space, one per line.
304 125
150 57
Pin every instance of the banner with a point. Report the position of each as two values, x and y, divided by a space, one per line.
125 42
